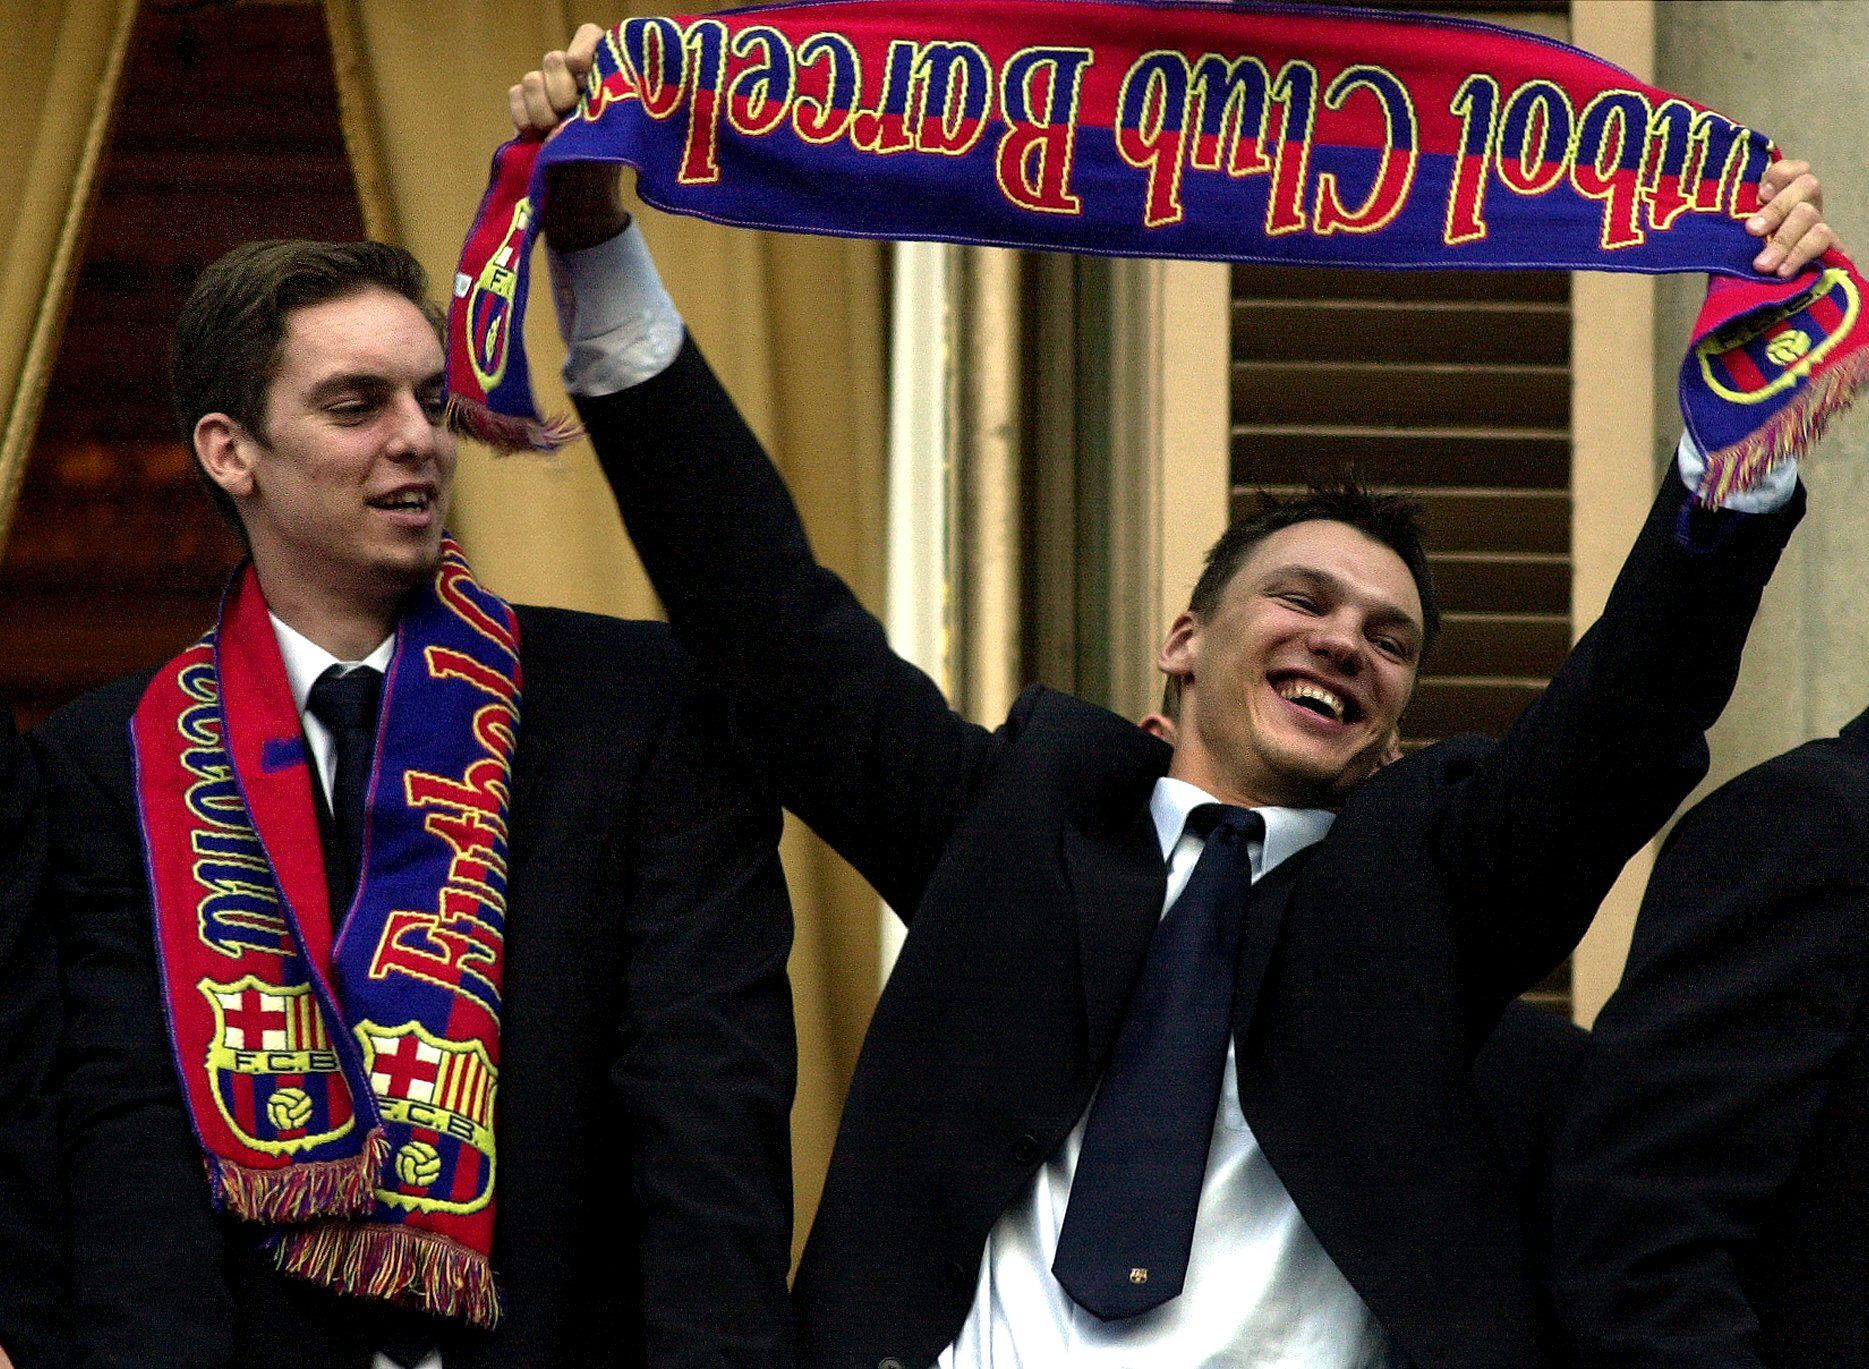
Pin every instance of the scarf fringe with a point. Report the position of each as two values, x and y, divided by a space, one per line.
396 1263
1736 469
507 432
302 1192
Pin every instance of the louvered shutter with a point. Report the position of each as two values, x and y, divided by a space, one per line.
1453 387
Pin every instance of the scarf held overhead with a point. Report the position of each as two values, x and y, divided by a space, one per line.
340 1066
1239 132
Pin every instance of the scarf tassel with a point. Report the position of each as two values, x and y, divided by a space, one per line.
508 432
302 1192
396 1263
1790 431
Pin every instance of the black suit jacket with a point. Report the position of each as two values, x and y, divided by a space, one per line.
644 1199
1525 1077
1713 1182
31 1254
1029 869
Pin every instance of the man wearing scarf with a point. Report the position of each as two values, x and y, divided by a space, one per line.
1024 1173
424 956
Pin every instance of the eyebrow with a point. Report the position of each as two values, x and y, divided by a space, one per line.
1385 614
369 381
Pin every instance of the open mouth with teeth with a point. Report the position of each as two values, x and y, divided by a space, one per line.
405 501
1315 698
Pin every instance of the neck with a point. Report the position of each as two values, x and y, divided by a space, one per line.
1190 765
347 626
1195 765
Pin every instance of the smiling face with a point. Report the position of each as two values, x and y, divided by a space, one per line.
345 493
1293 685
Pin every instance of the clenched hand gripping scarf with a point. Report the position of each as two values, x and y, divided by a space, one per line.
340 1070
1239 132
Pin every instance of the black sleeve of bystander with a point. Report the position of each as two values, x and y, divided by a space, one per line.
31 1218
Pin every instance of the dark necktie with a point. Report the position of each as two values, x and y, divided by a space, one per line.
347 704
1129 1222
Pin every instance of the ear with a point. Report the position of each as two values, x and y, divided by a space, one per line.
1181 647
1159 725
1391 749
227 453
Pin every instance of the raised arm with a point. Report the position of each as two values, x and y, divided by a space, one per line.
1595 766
1546 821
862 745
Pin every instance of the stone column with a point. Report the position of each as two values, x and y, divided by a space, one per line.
1796 70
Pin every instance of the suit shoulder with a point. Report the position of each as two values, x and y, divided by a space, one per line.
83 750
572 629
597 644
95 722
1079 750
1834 765
588 674
1421 780
1040 706
1826 779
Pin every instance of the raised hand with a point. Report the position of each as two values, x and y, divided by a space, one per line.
583 200
1790 218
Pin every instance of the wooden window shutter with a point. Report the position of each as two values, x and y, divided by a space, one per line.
1453 387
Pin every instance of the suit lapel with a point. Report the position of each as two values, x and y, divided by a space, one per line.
529 754
1265 915
1117 882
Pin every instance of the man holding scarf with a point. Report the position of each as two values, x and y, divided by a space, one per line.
1013 1182
424 956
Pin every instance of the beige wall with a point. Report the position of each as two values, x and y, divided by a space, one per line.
1764 65
1799 70
1612 466
1172 437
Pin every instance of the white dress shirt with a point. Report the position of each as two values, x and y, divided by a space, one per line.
1261 1293
619 325
305 662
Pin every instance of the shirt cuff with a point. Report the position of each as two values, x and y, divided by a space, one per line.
1772 493
619 325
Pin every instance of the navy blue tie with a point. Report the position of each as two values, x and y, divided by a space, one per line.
346 703
1129 1223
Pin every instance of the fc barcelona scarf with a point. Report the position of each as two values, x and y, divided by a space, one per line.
1272 133
340 1065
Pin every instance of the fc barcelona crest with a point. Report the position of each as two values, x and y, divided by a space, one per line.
437 1096
276 1078
1766 352
490 302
